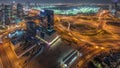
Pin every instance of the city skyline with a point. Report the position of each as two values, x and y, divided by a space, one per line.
60 1
59 34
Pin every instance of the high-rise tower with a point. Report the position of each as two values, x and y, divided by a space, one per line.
47 19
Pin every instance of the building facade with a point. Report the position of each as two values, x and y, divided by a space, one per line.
47 19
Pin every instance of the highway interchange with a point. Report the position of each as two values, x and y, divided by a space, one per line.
91 41
83 34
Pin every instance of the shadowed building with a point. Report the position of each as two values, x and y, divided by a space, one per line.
47 19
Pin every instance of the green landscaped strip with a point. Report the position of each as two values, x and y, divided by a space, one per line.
72 11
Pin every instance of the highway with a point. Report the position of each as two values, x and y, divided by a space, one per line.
7 57
90 45
1 65
4 58
7 53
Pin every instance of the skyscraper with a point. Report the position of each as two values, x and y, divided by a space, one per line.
47 19
20 12
14 10
115 6
17 10
7 14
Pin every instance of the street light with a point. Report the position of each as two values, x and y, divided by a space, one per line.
102 48
96 47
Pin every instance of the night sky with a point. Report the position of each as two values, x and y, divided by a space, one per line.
62 1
